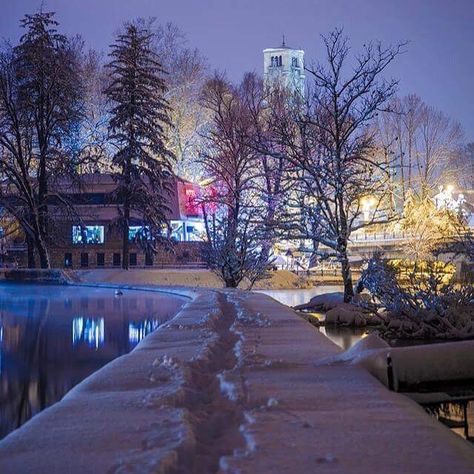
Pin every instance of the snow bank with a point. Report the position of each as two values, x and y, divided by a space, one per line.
130 416
325 416
413 365
434 362
194 278
231 384
323 302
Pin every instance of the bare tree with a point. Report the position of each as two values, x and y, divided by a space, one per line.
268 108
425 142
40 104
333 146
91 150
231 210
186 75
463 163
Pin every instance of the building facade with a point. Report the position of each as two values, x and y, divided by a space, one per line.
90 237
284 66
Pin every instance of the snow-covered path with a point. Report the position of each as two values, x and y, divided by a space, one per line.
232 384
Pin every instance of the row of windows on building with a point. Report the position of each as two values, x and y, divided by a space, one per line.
95 234
276 61
99 261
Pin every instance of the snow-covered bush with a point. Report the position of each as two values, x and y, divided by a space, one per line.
421 305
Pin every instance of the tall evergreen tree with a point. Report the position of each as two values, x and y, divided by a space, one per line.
139 114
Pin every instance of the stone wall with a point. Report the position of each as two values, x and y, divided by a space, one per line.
179 254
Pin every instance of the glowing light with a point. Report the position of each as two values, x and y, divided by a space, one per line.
88 330
137 331
368 203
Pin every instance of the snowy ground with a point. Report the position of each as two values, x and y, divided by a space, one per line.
197 278
234 383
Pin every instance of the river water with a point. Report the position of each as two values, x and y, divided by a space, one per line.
52 337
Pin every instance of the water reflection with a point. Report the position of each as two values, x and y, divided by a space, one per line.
88 330
137 331
457 415
51 338
297 297
343 337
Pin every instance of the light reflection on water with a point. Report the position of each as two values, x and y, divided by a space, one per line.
343 337
88 330
52 337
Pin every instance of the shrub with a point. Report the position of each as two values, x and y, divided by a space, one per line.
421 304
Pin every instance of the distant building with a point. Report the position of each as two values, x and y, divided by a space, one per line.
284 66
90 237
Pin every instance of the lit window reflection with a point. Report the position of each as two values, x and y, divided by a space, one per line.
137 331
88 330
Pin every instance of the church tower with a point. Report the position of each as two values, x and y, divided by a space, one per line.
284 65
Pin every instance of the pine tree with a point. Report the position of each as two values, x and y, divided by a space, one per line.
139 115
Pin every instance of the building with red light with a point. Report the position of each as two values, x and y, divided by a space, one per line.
90 236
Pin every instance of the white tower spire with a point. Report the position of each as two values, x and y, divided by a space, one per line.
285 66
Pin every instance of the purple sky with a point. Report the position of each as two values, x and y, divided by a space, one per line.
439 65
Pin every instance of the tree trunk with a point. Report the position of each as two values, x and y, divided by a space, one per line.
346 277
125 240
231 283
30 248
42 252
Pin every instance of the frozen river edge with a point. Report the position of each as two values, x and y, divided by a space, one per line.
232 384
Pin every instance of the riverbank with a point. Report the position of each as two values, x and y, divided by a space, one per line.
194 278
232 384
182 277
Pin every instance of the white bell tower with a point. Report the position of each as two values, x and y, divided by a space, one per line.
285 66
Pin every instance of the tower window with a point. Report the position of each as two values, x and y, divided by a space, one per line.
279 61
294 62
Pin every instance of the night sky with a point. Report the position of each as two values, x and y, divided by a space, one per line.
439 64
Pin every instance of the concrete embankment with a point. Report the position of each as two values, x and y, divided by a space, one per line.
232 384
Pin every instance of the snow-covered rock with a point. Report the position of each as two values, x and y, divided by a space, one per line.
348 314
322 302
338 312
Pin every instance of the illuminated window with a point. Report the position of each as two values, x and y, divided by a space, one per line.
137 232
89 234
